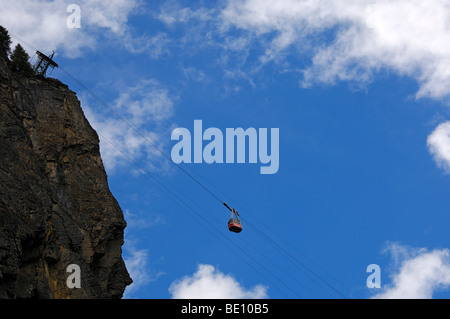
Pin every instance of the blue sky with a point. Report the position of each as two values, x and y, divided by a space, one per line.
359 91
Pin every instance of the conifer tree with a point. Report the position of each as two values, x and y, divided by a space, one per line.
5 42
19 60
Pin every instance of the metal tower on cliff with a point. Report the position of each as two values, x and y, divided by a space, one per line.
43 63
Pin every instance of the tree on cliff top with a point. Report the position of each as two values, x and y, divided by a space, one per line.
19 60
5 42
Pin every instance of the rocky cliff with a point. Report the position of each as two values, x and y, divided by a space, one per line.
56 208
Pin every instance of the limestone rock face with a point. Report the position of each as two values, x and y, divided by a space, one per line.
56 208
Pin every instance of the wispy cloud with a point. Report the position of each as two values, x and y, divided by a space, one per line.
210 283
439 146
141 268
156 46
330 42
137 263
43 22
124 131
419 274
171 13
140 221
342 40
193 74
353 40
322 41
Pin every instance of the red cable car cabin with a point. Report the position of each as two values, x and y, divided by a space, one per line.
234 224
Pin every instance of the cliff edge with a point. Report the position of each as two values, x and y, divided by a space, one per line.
56 208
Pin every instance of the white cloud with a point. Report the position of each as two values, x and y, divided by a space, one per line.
155 46
209 283
439 145
143 221
144 105
171 13
136 264
112 15
147 101
351 40
193 74
138 267
43 23
421 273
345 40
142 270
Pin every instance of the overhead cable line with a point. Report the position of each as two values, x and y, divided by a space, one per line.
185 171
155 180
117 115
